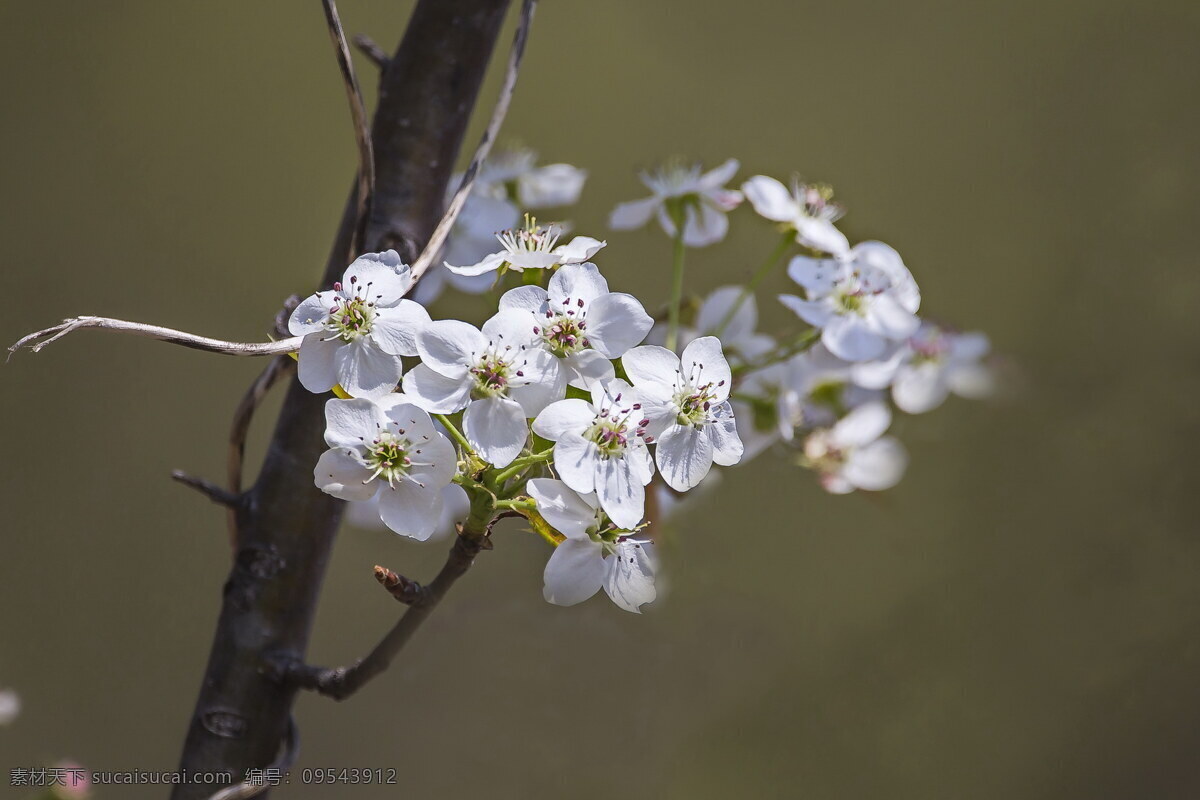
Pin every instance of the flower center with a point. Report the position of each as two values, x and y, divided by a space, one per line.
694 404
492 375
531 238
352 318
387 456
611 429
816 201
849 301
928 349
820 453
564 330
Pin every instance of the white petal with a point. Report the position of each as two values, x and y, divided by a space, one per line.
634 214
848 336
704 225
410 510
615 323
861 426
436 393
884 258
348 422
641 463
719 176
890 319
434 461
310 316
316 369
395 329
727 445
703 362
579 249
496 428
377 277
771 199
587 368
815 312
879 374
684 456
450 346
551 186
543 381
878 466
489 263
652 368
920 388
530 299
717 306
508 331
621 494
562 418
364 370
456 507
565 510
343 476
574 572
576 282
629 575
470 284
816 275
969 346
973 381
576 461
820 234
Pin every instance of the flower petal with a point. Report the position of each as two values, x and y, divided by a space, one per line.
615 323
920 388
816 275
861 426
579 249
574 572
565 417
435 392
771 199
576 460
576 282
879 465
848 336
364 370
348 422
621 494
719 176
703 362
343 476
652 368
551 186
634 214
815 312
316 369
395 329
684 456
496 428
717 306
450 346
565 510
705 225
629 575
410 510
727 445
530 299
312 313
489 263
820 234
587 367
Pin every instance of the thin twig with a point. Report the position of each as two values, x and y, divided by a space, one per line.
247 789
207 488
362 129
341 682
406 591
39 339
366 45
434 246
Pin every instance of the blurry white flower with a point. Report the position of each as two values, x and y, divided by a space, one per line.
10 706
387 448
355 334
688 408
532 247
826 387
500 375
703 197
600 447
768 407
807 208
924 370
471 239
861 303
593 555
852 455
580 321
514 175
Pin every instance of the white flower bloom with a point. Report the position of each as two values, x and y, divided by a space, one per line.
500 375
601 447
861 303
925 369
387 448
456 506
532 247
471 239
580 321
513 175
826 387
704 198
355 334
593 555
688 409
807 208
10 706
770 409
852 455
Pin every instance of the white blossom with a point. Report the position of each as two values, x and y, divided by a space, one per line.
532 247
768 408
807 209
688 408
827 387
390 449
471 239
923 370
594 554
861 303
703 196
456 506
580 321
514 175
601 447
500 375
854 453
355 334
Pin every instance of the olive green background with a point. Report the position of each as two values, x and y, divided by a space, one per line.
1018 619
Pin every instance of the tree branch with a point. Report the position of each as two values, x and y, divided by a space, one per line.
36 341
366 45
406 591
207 488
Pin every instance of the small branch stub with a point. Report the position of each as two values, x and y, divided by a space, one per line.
406 591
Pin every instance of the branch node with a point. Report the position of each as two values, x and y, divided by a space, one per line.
376 54
406 591
209 489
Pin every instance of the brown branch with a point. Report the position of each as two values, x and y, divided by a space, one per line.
207 488
39 339
406 591
247 789
366 45
362 133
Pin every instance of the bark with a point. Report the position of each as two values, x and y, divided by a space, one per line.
285 525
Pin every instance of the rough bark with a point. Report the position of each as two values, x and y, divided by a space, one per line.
285 526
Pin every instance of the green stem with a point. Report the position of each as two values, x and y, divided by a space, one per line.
455 433
759 274
515 467
517 505
679 217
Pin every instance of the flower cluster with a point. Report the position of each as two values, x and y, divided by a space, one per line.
570 405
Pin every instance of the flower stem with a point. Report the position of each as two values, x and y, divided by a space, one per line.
679 216
757 278
517 505
515 467
455 433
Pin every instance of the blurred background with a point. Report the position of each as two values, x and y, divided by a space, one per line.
1018 619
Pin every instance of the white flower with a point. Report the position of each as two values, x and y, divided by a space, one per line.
807 208
580 321
10 706
513 175
851 455
688 408
387 448
704 199
593 555
472 237
532 247
769 408
826 387
600 447
861 303
355 334
925 369
500 375
456 506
